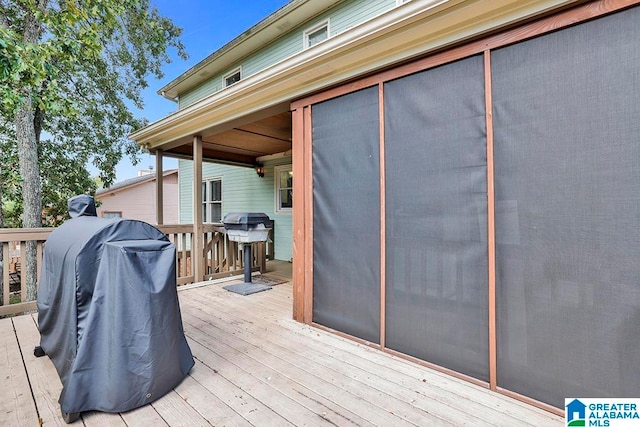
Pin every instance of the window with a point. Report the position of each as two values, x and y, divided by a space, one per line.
111 214
233 77
316 34
284 188
212 201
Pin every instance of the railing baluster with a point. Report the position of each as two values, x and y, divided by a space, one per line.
39 251
220 255
183 268
6 261
23 268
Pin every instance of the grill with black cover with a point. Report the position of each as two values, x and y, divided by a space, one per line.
108 312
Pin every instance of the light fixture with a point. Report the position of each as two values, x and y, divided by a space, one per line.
260 169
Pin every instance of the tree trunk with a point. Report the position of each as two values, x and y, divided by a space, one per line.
31 190
27 140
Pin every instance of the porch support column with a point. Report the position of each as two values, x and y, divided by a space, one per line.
197 247
298 215
159 189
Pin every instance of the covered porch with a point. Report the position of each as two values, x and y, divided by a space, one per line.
246 142
256 366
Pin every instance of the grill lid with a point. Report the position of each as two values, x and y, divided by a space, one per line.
246 221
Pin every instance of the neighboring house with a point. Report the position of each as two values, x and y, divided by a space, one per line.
464 178
135 198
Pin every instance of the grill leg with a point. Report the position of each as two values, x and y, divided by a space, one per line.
247 263
38 352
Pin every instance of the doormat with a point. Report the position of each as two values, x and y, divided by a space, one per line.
246 288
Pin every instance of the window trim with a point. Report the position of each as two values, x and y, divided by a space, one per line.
229 74
276 185
399 2
208 203
306 33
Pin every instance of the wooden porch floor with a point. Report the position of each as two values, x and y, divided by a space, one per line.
256 366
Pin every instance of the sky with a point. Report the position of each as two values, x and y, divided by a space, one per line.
207 26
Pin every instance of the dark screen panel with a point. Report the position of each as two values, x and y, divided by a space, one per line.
567 163
436 220
346 214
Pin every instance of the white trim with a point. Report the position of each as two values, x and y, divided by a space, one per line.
306 33
204 193
237 70
399 2
276 185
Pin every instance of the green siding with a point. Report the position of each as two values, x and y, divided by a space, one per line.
242 191
342 17
185 191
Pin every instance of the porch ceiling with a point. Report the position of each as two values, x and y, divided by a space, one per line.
242 144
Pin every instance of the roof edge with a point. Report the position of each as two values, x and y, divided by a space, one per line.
117 187
277 19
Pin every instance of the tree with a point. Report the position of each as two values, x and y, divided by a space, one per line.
71 70
61 177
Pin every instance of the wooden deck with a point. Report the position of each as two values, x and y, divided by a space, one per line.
256 366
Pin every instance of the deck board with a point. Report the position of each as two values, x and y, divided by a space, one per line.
214 410
271 386
421 400
143 417
99 419
175 411
365 401
256 366
282 379
45 383
16 404
442 392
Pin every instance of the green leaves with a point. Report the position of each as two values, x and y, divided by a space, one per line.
82 65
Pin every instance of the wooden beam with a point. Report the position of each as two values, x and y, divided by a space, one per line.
491 224
383 221
197 258
24 234
23 272
19 308
186 152
298 215
262 135
6 278
159 189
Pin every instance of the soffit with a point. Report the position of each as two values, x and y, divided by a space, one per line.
242 144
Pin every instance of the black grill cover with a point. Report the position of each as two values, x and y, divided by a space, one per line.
108 312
